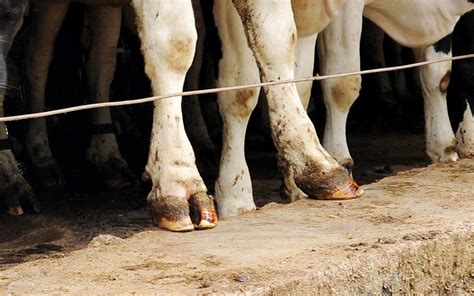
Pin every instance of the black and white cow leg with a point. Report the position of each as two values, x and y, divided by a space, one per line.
271 35
338 49
465 134
233 187
103 29
434 78
47 17
178 198
461 89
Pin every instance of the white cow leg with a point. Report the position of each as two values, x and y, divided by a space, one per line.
47 18
168 35
340 39
304 66
271 34
434 78
237 67
103 29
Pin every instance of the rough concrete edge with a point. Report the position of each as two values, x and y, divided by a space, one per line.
441 265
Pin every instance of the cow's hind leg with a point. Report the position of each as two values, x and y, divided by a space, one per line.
47 17
102 33
179 197
434 78
271 34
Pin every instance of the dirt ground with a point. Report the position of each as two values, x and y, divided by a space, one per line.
108 244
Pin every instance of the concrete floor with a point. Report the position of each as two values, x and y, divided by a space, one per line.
410 233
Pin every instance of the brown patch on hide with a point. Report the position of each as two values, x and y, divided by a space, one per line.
444 83
179 53
243 100
345 91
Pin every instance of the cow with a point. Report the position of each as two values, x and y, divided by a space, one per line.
13 187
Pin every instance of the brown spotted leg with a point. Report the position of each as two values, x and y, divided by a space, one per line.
168 35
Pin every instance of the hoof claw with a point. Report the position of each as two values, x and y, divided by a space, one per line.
184 225
15 211
203 212
177 214
350 192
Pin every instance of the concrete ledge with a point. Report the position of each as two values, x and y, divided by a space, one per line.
411 233
437 264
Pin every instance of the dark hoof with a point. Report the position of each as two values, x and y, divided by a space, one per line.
116 175
51 181
19 197
334 185
203 212
170 213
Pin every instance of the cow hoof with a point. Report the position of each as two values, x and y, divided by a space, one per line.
202 211
334 185
116 174
19 197
51 181
170 212
15 211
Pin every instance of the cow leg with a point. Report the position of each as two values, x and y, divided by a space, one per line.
103 30
168 34
338 53
304 66
373 46
434 78
461 89
14 189
271 35
399 80
47 18
237 67
193 120
465 134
